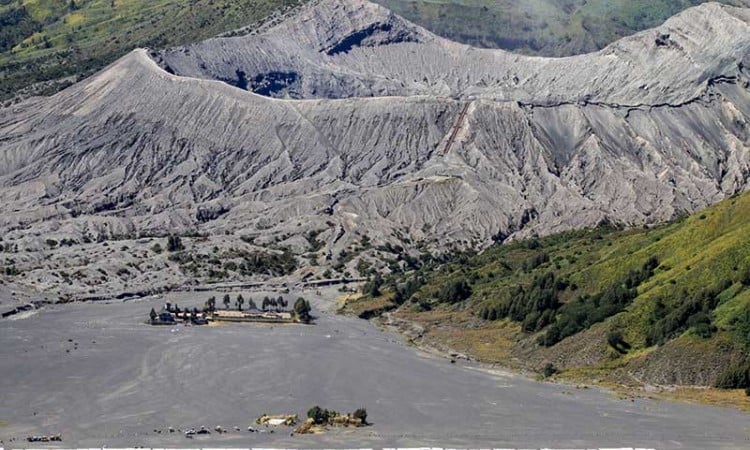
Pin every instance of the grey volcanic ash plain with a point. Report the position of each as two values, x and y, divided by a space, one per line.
345 123
99 376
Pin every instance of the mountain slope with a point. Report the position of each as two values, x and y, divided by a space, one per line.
669 305
358 49
503 146
540 27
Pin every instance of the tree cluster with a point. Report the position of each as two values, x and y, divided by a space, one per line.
538 306
454 291
278 304
372 287
691 311
302 310
587 310
272 264
322 416
534 306
404 292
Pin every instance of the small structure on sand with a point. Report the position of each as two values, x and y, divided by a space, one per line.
170 315
163 317
318 420
277 420
226 315
45 438
273 311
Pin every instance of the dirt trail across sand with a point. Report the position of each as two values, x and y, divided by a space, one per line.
98 375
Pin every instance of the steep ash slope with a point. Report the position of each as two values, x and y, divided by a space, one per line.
136 149
143 142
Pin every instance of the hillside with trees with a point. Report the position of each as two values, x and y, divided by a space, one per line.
666 305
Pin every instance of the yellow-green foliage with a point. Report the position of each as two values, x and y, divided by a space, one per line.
45 10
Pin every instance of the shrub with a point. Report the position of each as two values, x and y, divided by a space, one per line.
617 342
704 330
405 291
361 414
322 416
614 339
736 376
541 296
454 292
372 287
174 244
549 370
551 337
741 326
273 264
302 310
535 262
317 414
745 280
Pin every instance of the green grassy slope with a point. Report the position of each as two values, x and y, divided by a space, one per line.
540 27
632 300
43 40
